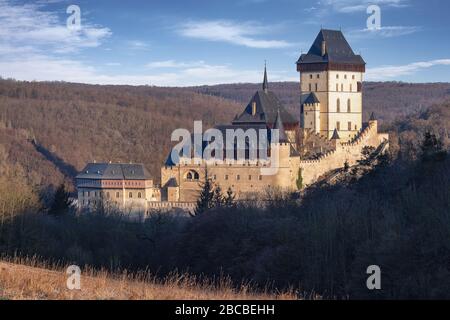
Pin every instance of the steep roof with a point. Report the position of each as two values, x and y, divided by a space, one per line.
267 106
337 50
114 171
335 135
311 99
279 125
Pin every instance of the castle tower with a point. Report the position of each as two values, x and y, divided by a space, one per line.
331 77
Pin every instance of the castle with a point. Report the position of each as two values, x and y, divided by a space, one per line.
327 133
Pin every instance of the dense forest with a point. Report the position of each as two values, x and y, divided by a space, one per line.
396 216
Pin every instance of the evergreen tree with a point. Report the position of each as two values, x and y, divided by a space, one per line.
432 148
218 198
61 203
206 198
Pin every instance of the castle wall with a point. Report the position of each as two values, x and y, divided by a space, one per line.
345 151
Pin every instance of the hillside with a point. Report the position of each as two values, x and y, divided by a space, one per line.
51 130
71 124
388 100
21 282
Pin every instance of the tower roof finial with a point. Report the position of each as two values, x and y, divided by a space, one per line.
282 137
265 82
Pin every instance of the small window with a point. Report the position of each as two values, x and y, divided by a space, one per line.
238 177
310 88
338 126
214 177
260 178
337 76
108 195
349 126
345 77
337 87
342 87
349 106
318 76
130 195
351 87
317 86
310 76
117 195
139 195
338 105
353 77
249 177
226 177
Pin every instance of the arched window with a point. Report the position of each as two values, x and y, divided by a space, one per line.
196 176
192 175
337 86
139 195
189 176
342 87
349 106
338 105
130 195
310 88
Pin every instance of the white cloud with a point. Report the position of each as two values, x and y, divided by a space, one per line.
349 6
393 72
244 34
173 64
384 32
28 25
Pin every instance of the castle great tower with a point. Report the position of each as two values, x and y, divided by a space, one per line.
331 77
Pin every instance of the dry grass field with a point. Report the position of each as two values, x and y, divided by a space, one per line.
27 282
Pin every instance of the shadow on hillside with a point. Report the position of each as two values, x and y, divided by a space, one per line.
66 169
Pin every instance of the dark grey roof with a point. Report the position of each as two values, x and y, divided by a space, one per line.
279 125
114 171
337 50
265 82
267 105
171 183
372 117
335 135
311 99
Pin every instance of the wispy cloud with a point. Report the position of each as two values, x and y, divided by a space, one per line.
395 72
28 25
245 34
173 64
349 6
384 32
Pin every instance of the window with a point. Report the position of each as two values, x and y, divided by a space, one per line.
351 87
318 76
337 87
349 126
226 177
338 126
253 108
130 195
359 86
310 89
238 177
139 195
260 178
338 105
214 177
108 195
117 195
353 77
192 175
342 87
189 176
249 177
337 76
349 106
310 76
317 86
345 76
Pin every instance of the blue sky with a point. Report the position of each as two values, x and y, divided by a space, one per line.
181 43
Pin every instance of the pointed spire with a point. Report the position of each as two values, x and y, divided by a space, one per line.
372 117
265 82
335 135
282 138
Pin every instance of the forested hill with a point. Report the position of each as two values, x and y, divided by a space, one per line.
388 100
49 131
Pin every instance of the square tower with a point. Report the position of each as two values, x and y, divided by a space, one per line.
331 76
